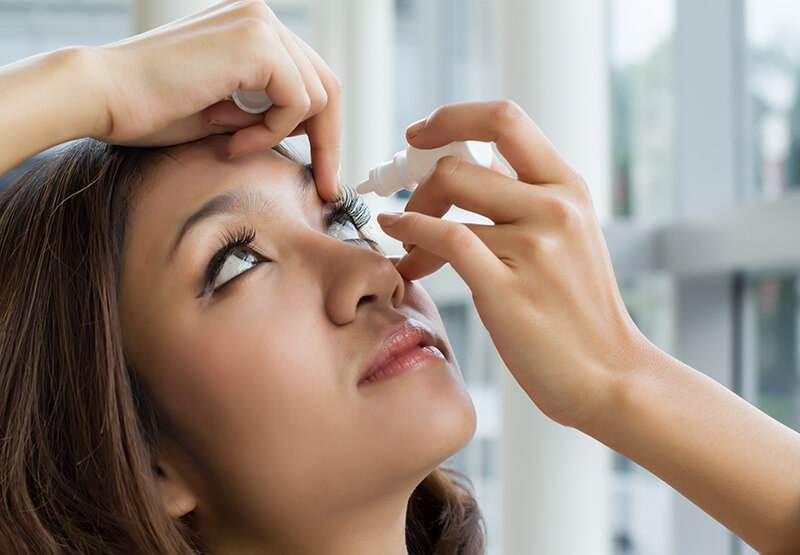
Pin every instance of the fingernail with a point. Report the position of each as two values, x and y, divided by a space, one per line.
388 219
415 128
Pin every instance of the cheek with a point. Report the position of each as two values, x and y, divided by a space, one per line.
254 392
234 379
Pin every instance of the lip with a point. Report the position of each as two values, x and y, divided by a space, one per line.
404 348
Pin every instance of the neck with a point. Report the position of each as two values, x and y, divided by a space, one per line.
378 527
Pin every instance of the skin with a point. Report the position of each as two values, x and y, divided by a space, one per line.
278 450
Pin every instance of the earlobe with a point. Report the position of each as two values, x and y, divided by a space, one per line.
177 496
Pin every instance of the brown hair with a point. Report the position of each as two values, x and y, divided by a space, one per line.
78 434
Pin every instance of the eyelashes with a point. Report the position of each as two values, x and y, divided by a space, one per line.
237 254
349 207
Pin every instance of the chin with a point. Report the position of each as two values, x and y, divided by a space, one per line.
447 424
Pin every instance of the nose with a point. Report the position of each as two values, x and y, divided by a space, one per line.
356 278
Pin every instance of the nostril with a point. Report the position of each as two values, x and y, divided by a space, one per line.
365 299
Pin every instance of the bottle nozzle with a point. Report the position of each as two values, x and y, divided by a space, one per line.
365 187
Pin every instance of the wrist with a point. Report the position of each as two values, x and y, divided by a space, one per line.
637 359
81 98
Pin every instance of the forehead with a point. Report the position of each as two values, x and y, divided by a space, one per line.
192 173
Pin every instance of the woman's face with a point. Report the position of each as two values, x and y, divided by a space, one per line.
258 362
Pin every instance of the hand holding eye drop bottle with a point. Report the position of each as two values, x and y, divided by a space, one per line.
409 166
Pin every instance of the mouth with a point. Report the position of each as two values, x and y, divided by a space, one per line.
406 347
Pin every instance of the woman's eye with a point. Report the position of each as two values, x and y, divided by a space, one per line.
344 230
236 263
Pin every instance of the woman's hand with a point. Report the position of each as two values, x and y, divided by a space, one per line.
169 85
541 276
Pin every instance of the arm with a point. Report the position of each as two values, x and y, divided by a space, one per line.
46 100
726 456
544 287
150 90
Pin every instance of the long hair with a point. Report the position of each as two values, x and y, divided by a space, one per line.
78 433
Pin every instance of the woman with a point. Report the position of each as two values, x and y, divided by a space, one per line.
203 341
200 363
197 254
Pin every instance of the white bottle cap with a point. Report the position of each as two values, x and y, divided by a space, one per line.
252 102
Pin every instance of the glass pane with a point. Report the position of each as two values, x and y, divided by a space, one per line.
777 315
773 47
31 27
641 36
444 54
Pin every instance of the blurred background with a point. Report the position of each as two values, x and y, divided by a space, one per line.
683 116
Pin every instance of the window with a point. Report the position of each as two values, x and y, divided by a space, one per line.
641 35
771 367
773 48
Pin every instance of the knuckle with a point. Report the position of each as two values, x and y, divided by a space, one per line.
303 104
445 169
508 113
254 8
254 31
333 85
318 99
457 237
566 215
410 220
581 188
531 243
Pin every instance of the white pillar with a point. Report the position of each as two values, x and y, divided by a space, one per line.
557 481
553 63
356 40
149 14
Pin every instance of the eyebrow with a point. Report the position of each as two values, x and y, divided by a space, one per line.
235 201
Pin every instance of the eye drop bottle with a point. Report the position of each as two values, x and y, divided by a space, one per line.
409 166
252 102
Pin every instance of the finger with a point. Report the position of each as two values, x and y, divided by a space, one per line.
481 190
419 263
317 94
500 239
517 137
291 102
324 130
454 242
499 166
226 112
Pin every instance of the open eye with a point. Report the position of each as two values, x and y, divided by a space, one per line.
235 264
344 229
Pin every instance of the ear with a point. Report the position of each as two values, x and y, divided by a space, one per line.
177 495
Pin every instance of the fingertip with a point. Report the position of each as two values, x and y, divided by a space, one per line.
327 174
415 128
